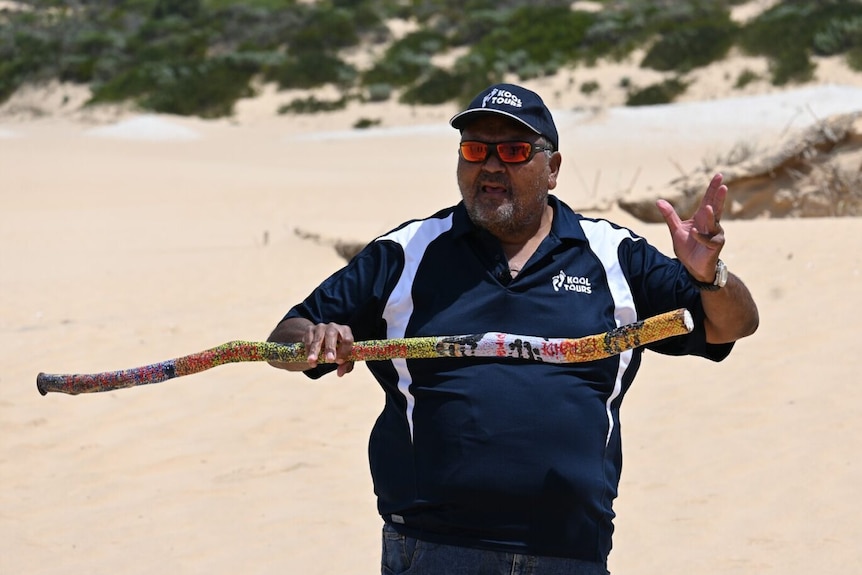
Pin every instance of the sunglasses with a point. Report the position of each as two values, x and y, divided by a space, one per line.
475 152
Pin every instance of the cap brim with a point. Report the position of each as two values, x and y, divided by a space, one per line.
460 121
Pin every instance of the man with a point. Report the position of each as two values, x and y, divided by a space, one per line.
500 466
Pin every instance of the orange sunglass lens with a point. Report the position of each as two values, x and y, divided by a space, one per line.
514 152
474 151
509 152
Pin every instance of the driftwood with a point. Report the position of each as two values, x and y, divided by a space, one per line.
345 249
815 173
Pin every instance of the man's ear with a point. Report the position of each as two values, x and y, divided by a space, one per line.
554 169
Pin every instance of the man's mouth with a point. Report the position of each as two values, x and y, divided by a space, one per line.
494 189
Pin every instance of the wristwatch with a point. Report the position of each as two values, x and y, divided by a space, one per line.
719 281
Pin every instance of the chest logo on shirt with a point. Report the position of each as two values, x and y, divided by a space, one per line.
577 284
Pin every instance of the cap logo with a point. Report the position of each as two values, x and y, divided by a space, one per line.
497 97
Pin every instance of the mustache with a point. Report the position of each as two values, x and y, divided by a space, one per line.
487 179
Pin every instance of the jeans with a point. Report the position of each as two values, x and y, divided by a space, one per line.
408 556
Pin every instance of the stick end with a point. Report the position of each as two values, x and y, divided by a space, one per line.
688 320
40 381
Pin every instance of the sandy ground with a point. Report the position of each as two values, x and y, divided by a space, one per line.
137 238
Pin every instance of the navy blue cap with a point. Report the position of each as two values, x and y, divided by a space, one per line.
515 102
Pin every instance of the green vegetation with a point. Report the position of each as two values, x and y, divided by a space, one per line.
661 93
312 105
407 59
365 123
438 87
745 78
588 88
701 39
790 32
533 41
189 57
198 57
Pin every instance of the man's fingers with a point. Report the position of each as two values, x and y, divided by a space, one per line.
321 339
334 342
312 342
345 346
713 242
715 195
669 214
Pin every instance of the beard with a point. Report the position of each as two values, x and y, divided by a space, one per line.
505 214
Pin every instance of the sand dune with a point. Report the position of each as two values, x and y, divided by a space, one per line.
134 239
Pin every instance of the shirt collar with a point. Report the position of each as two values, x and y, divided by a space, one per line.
567 222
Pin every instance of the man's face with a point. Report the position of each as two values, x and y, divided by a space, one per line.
508 200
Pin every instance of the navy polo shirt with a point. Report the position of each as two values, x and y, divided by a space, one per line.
499 453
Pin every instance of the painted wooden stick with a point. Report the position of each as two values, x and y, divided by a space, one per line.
491 344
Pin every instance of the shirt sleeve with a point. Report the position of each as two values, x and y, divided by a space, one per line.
659 284
355 295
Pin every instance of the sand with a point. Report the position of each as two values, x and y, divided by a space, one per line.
127 239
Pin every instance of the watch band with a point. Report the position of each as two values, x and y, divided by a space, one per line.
719 281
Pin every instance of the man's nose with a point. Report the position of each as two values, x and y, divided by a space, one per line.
493 163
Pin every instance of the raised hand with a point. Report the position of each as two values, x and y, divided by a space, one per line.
698 241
